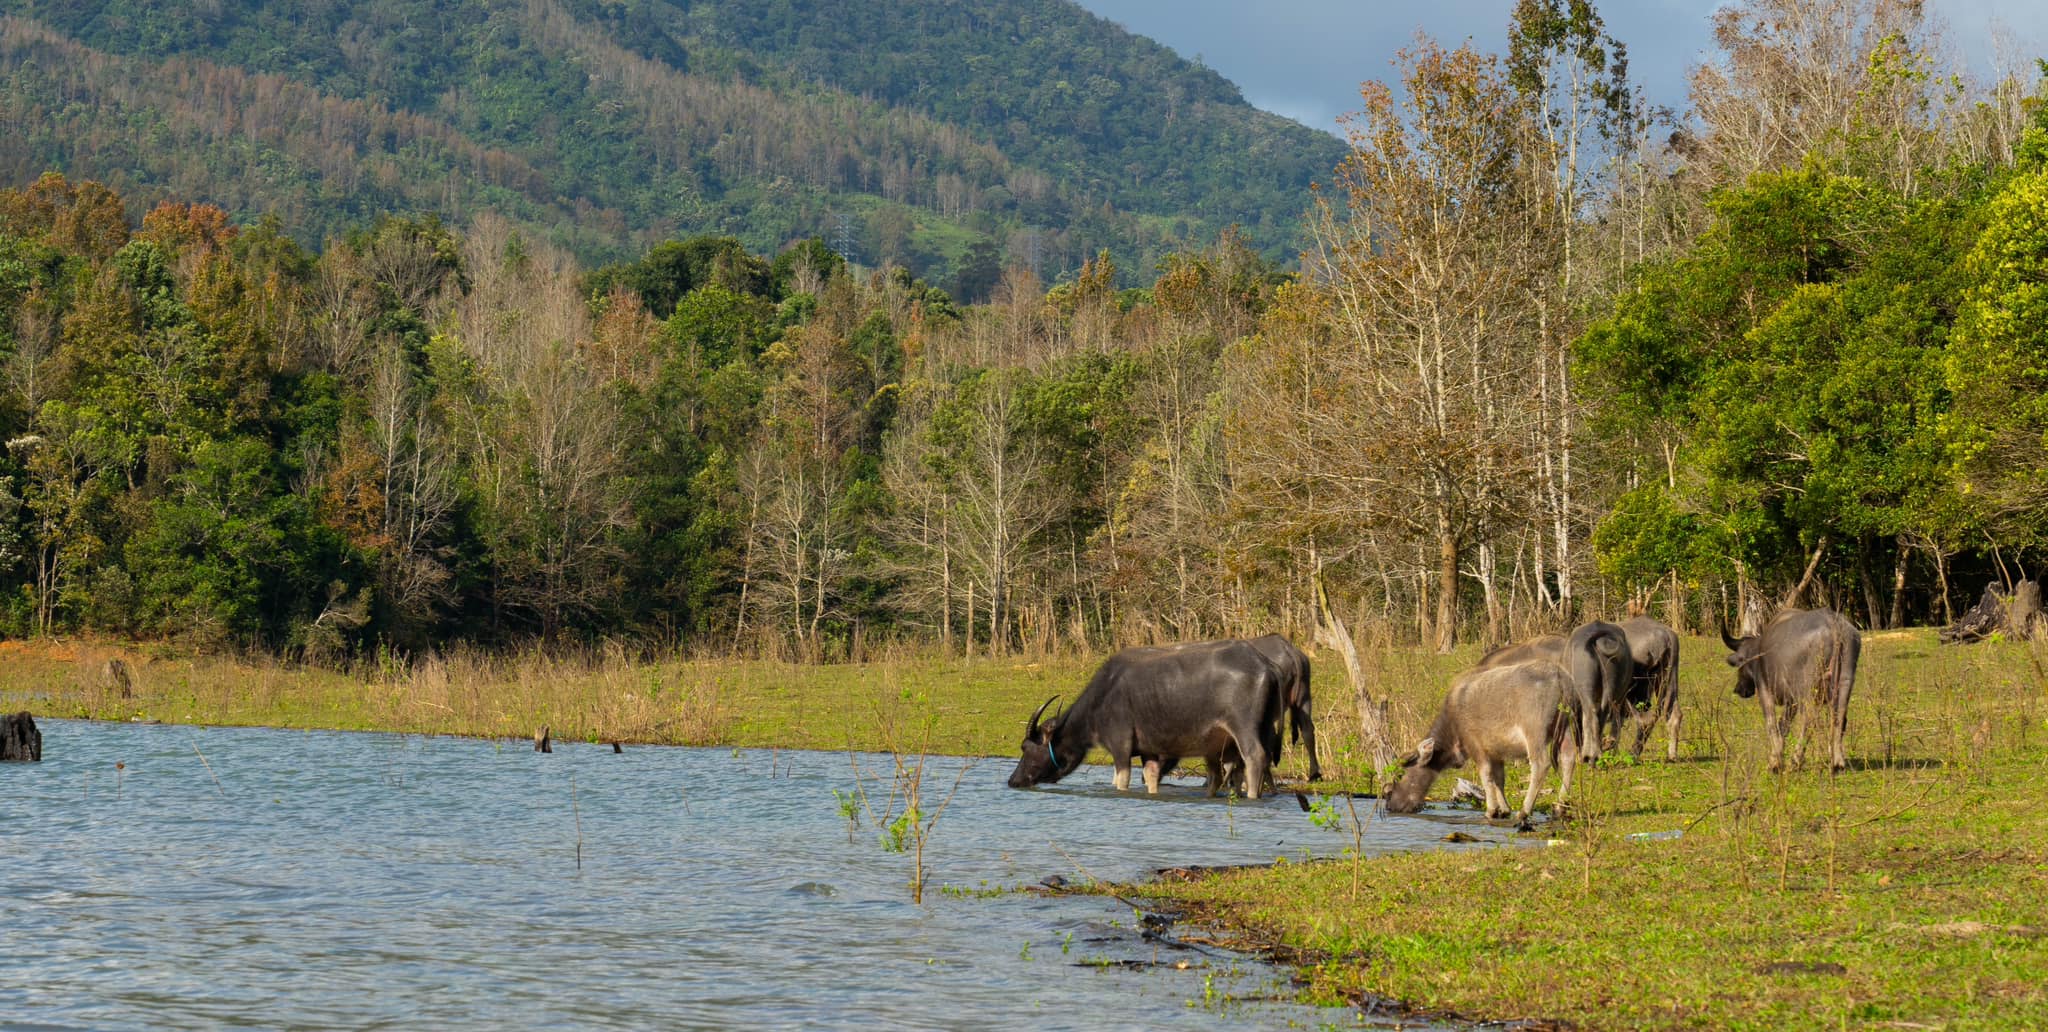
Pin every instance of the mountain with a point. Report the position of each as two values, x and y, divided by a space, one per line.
899 129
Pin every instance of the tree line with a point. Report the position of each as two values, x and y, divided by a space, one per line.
1551 353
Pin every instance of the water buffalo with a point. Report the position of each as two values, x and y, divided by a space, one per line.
1653 690
1800 654
1292 663
1597 655
1293 667
1161 703
1526 710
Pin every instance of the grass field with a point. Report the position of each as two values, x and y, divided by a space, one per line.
1910 891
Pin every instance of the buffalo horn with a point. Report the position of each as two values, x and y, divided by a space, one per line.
1032 728
1732 642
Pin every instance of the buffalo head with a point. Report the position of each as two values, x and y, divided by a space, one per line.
1742 655
1417 775
1039 765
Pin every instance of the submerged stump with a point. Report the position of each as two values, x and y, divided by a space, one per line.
20 741
541 741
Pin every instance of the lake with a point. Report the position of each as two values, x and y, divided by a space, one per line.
292 879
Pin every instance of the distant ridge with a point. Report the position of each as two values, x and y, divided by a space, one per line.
905 130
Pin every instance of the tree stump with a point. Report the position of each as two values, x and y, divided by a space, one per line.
20 741
1977 624
2017 615
541 742
2023 617
115 677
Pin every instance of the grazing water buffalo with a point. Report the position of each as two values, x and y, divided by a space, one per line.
1597 655
1160 703
1800 654
1653 690
1526 710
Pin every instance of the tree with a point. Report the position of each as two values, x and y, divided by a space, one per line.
1998 434
1422 267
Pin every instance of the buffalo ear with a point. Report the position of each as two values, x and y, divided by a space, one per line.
1424 750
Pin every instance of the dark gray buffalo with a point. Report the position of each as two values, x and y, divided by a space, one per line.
1801 656
1190 700
1653 690
1292 664
1597 656
1516 711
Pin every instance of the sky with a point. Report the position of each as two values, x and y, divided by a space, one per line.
1305 58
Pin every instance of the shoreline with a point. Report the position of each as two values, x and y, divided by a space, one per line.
1904 891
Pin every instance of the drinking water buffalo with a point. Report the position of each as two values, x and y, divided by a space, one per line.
1653 690
1802 653
1193 700
1494 714
1597 655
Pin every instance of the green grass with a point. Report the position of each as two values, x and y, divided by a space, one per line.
1911 891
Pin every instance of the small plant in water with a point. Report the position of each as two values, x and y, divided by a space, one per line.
1323 814
1066 943
849 808
897 833
1025 953
908 829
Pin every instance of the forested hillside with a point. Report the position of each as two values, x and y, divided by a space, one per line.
942 137
1785 352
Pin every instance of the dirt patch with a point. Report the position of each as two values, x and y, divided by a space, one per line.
1974 929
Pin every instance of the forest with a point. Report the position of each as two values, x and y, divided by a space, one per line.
1547 353
905 132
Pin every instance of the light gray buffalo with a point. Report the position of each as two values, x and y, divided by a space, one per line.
1492 715
1597 657
1802 656
1653 689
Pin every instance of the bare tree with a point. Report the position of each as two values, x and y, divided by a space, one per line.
1423 267
1800 76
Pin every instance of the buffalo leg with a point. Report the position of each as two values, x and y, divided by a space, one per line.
1492 782
1775 720
1539 767
1152 776
1841 736
1641 724
1802 728
1305 727
1589 722
1671 726
1251 752
1120 772
1567 758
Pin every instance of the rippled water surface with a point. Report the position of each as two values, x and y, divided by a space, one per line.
361 880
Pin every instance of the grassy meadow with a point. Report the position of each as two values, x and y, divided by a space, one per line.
1910 891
